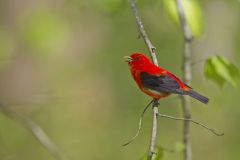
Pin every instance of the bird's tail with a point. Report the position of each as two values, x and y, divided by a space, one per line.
197 96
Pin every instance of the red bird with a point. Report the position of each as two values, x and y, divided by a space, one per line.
157 82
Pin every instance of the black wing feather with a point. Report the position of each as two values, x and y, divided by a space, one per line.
161 83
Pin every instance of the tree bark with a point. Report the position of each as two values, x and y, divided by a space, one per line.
187 77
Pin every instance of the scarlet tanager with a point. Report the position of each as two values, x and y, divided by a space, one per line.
157 82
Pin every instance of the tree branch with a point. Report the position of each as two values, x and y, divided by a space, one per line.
187 77
193 121
151 50
36 131
154 132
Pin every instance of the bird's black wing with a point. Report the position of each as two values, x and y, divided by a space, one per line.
161 83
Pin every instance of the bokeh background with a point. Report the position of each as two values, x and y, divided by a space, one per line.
61 65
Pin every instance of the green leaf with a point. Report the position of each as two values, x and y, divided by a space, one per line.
192 11
158 154
220 70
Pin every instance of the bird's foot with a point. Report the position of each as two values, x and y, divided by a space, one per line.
156 102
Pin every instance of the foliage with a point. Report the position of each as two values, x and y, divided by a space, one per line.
192 12
158 154
220 70
87 88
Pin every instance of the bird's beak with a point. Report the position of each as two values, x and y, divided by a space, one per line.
128 58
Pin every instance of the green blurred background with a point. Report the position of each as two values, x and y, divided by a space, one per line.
61 65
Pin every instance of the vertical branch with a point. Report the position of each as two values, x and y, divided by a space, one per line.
154 132
187 77
36 131
150 47
151 50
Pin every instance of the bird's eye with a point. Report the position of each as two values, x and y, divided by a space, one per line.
137 58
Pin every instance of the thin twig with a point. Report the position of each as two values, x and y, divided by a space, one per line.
193 121
139 125
201 60
185 28
151 50
143 33
36 131
198 61
187 77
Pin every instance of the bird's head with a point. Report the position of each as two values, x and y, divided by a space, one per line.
137 59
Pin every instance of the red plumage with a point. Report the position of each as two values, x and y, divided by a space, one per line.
157 82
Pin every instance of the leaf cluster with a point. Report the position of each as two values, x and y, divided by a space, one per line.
221 71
